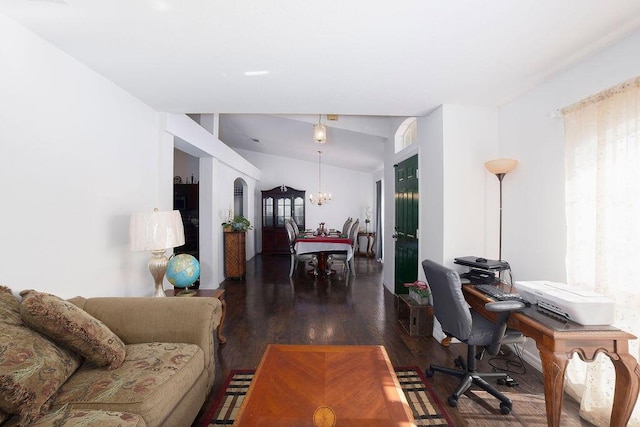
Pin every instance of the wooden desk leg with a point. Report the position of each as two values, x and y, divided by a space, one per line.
221 338
553 368
627 386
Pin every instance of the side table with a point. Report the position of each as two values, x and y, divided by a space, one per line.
416 319
215 293
371 242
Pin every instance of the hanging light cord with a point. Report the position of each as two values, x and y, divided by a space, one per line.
319 173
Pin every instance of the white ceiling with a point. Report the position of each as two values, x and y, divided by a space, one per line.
346 57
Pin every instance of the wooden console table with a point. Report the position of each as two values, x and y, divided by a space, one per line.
557 340
235 260
215 293
371 242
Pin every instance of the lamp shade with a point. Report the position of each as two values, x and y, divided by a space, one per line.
319 133
149 231
501 166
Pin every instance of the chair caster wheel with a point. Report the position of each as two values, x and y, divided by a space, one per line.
429 373
505 408
453 402
501 381
457 362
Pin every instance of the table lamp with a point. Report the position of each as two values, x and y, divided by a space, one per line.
156 232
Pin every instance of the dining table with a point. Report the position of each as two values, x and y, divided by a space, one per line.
323 245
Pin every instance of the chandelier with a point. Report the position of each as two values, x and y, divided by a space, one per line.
319 132
321 198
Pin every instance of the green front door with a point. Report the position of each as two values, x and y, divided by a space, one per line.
406 229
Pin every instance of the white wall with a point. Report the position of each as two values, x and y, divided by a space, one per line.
78 156
470 204
219 167
352 191
453 143
534 228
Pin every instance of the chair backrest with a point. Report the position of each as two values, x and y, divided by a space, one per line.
449 305
291 235
353 233
296 229
346 227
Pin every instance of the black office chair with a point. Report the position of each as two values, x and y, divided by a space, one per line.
477 332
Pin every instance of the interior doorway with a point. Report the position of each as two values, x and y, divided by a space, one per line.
186 199
406 228
240 197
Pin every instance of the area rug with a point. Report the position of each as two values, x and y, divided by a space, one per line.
427 408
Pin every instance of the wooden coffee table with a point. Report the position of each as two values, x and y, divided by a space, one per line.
323 386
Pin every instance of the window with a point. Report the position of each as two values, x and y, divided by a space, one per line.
602 191
407 134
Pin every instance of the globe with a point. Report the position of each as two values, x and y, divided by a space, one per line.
183 270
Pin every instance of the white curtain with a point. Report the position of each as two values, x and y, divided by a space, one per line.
603 226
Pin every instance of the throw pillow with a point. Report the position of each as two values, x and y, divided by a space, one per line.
32 369
69 325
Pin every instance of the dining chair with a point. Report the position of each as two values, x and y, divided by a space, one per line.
295 257
346 226
296 229
342 256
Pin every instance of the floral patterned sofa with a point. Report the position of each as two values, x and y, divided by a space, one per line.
105 361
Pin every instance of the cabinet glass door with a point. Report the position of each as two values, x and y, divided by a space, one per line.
298 211
284 211
267 214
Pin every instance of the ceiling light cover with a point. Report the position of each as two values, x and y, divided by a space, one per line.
319 133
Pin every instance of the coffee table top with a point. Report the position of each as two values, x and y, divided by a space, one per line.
306 385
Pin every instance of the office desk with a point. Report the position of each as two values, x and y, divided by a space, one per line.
557 340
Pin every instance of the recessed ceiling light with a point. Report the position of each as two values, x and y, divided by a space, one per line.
256 73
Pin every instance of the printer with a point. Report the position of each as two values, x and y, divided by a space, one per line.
570 302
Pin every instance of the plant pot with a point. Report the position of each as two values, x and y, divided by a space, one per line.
422 300
227 228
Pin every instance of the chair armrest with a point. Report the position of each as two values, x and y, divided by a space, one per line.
502 306
152 319
504 309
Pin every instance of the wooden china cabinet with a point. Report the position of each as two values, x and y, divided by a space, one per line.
279 204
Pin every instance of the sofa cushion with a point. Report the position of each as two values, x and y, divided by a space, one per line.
69 325
152 380
32 368
88 417
9 307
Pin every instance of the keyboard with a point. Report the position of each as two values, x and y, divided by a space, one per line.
499 295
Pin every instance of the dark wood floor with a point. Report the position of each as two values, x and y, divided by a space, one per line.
269 307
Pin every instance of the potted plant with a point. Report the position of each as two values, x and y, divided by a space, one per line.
419 291
237 223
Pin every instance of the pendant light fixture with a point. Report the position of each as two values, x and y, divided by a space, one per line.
319 131
321 198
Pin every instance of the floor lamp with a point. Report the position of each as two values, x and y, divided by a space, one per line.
156 232
500 167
